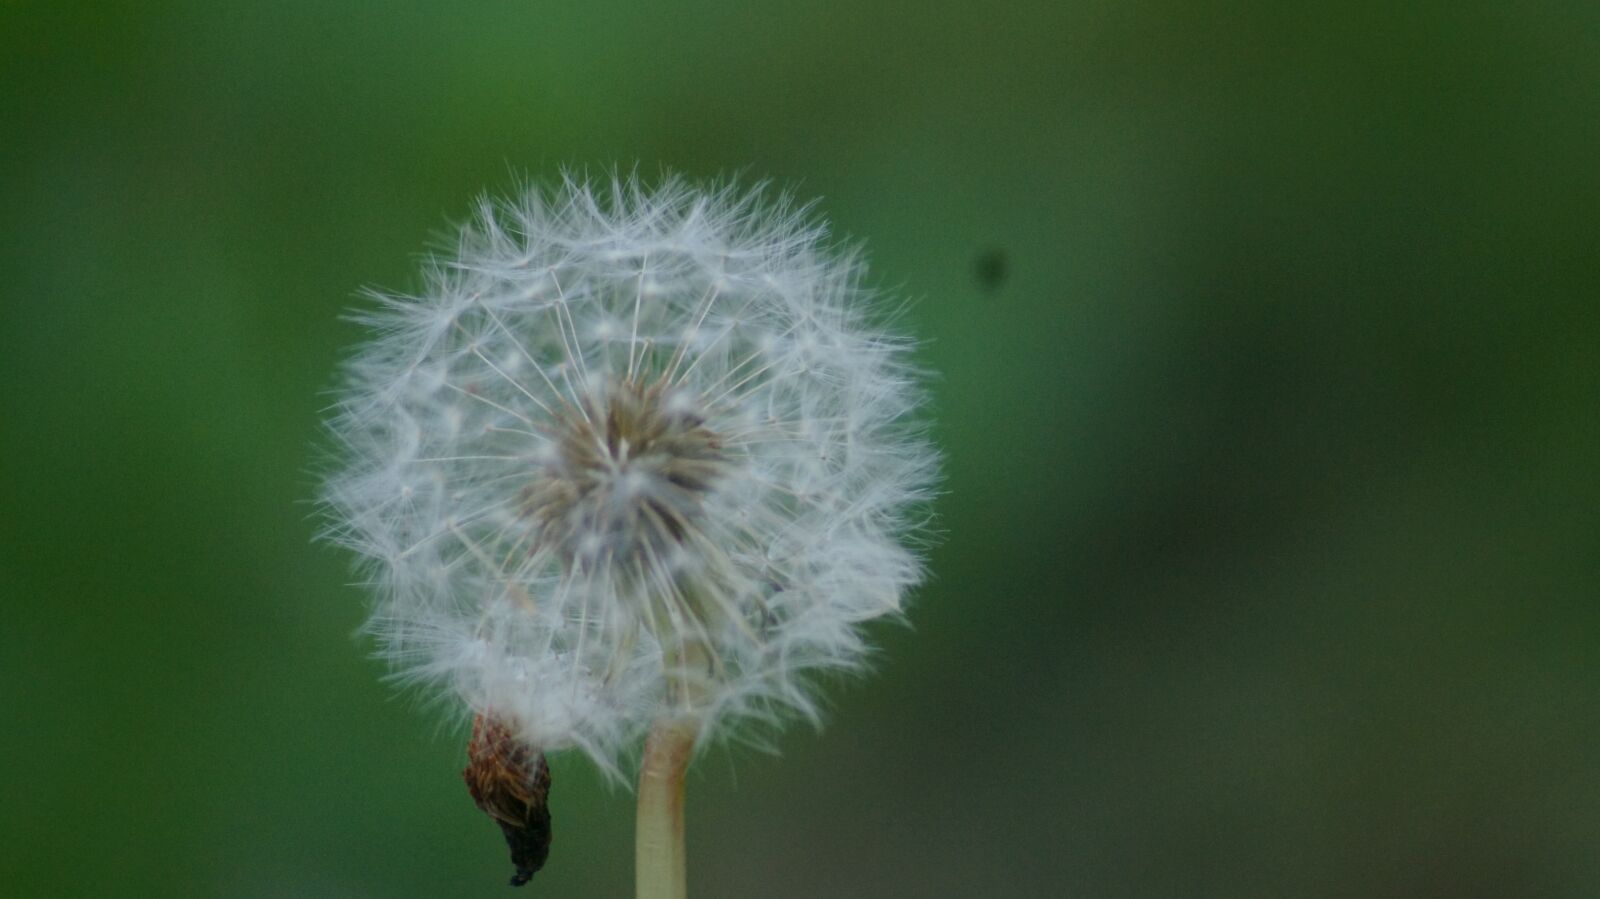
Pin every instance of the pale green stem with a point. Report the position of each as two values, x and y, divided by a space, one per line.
659 867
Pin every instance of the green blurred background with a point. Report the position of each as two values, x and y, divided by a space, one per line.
1271 555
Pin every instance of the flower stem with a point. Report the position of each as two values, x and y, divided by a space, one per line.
659 867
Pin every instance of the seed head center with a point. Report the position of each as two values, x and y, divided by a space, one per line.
625 477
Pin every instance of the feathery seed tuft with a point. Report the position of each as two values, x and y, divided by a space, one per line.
632 451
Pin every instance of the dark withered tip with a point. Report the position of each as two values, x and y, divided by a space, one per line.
511 782
529 843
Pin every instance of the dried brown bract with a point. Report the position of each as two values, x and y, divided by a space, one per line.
511 782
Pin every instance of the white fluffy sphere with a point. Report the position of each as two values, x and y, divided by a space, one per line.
632 452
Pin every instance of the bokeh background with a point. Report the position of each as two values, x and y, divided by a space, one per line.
1269 391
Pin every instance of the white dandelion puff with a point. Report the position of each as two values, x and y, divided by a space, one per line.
632 452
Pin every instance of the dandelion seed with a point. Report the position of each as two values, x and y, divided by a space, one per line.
634 455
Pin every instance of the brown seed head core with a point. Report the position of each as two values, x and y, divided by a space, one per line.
625 477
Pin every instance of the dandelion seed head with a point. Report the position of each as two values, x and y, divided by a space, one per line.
631 451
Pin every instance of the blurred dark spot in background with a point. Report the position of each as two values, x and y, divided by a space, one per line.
990 268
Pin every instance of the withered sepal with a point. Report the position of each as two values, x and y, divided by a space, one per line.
510 781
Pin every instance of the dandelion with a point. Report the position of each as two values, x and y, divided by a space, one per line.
634 464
